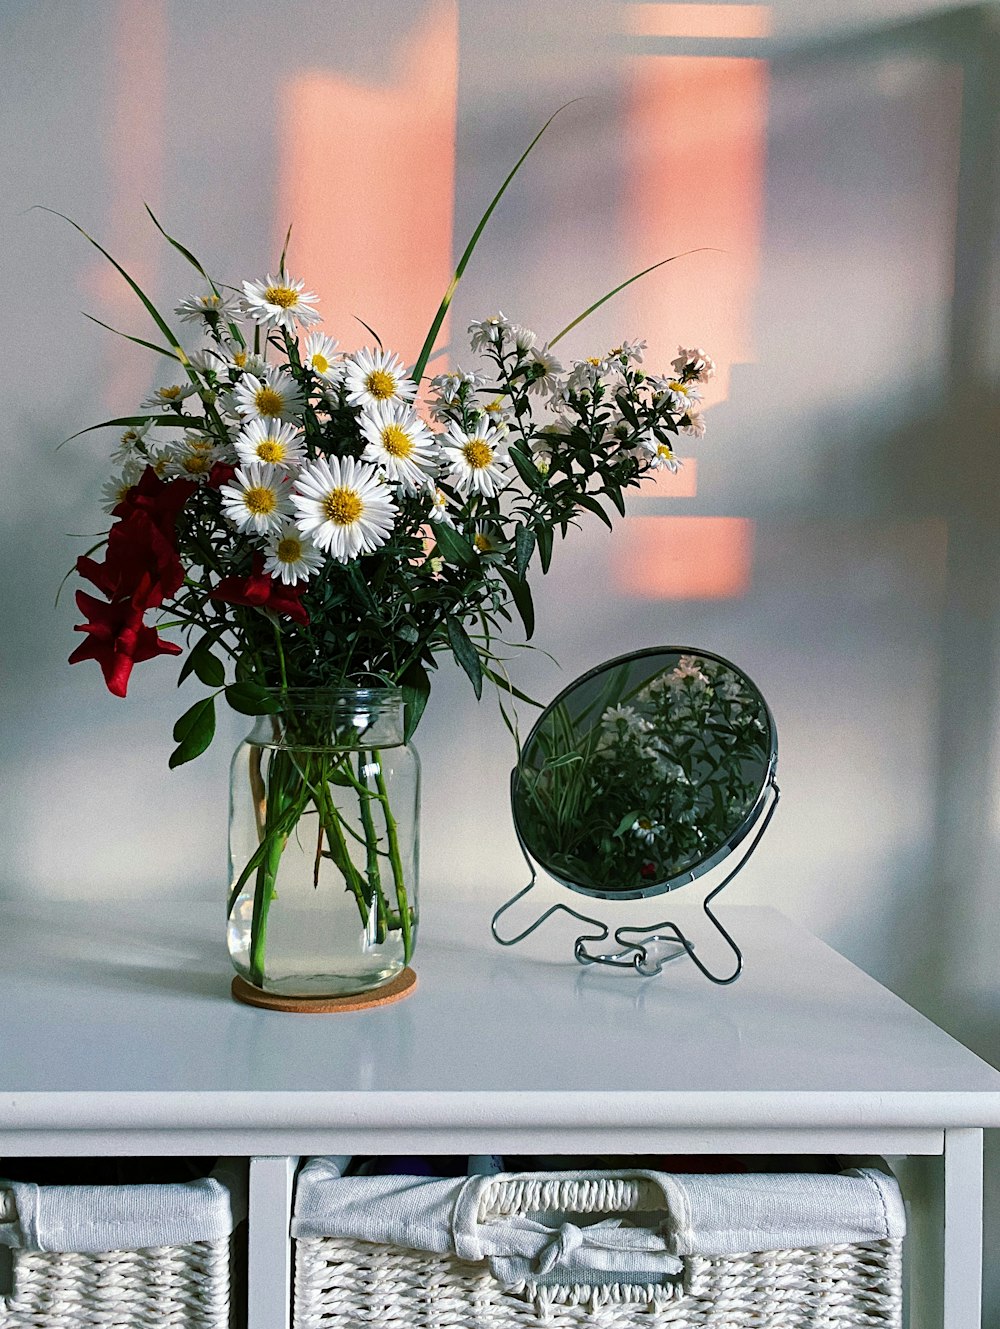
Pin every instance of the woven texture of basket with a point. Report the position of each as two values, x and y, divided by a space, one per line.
171 1287
341 1284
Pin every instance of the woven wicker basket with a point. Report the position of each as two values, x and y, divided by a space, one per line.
177 1287
342 1284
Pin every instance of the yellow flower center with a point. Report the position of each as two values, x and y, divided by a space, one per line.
210 301
196 463
121 491
494 407
259 500
282 296
169 394
270 450
616 350
268 401
159 466
594 360
320 363
130 436
482 542
478 454
200 445
675 386
396 441
342 506
289 549
663 451
381 384
240 359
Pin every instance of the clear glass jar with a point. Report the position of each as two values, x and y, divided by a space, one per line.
323 845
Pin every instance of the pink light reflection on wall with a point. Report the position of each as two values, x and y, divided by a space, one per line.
367 180
683 558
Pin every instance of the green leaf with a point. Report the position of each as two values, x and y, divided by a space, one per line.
617 498
604 298
545 546
416 687
505 685
521 595
251 699
180 249
193 732
454 548
139 341
626 823
526 468
128 420
284 250
591 504
431 338
153 312
466 654
524 547
202 663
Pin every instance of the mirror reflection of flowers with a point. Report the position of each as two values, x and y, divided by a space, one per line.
648 779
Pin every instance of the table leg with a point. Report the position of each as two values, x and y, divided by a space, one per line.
269 1255
963 1229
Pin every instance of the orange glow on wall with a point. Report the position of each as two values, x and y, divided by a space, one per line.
683 558
367 180
697 129
721 20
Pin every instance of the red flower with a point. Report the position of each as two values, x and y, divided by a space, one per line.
647 871
117 639
261 591
162 500
139 555
220 474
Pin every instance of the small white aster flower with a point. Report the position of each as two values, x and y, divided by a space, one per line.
449 386
193 457
400 444
115 489
291 556
545 367
210 307
344 505
584 376
169 396
659 456
498 411
646 830
129 443
679 395
693 363
318 355
374 377
524 338
276 396
240 359
280 302
257 499
271 442
489 331
693 423
628 350
207 360
475 459
439 507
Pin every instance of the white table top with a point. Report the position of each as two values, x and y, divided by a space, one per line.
119 1017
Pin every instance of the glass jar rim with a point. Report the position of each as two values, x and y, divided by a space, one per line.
379 695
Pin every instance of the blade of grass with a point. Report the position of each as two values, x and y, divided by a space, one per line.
150 345
605 298
181 249
425 350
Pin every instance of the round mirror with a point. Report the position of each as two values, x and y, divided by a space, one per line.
645 773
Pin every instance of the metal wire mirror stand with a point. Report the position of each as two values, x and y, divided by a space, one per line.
641 954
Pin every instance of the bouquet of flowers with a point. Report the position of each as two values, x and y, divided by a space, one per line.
304 517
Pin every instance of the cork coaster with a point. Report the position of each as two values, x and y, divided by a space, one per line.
399 987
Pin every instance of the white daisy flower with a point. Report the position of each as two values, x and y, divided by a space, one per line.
193 457
449 386
439 507
344 505
475 459
498 411
206 359
211 307
400 443
280 302
489 331
678 395
646 830
271 442
524 338
318 355
373 377
114 490
169 396
584 375
693 423
241 359
658 456
291 556
628 350
693 363
257 500
544 366
129 443
276 396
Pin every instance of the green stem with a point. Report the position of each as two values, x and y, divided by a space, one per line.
395 859
371 849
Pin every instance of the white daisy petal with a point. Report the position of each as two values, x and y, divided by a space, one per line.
373 378
257 500
280 302
475 459
319 353
344 505
399 442
291 556
271 442
276 396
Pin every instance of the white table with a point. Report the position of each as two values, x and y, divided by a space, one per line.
119 1038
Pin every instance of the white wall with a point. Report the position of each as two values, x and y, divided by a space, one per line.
858 433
